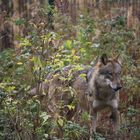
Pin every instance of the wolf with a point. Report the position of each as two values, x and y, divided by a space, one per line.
95 87
104 85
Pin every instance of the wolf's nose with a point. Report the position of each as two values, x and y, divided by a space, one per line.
117 88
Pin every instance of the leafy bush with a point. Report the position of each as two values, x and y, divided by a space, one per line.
42 51
74 131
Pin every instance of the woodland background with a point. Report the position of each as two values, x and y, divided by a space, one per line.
39 36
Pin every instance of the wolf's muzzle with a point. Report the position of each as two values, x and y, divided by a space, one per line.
117 88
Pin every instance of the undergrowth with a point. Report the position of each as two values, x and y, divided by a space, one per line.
42 51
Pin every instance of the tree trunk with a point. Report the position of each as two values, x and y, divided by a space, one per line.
73 11
6 30
50 14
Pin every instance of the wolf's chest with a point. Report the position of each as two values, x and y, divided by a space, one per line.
104 93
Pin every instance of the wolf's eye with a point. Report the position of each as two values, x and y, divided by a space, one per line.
110 73
119 73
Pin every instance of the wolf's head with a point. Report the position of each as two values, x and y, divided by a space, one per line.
109 71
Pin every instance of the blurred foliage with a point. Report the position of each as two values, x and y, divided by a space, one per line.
74 131
42 51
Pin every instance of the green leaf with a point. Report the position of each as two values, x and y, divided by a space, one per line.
20 21
24 42
60 122
44 116
83 76
68 44
71 107
85 116
37 63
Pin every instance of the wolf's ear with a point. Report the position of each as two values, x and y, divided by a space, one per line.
104 59
118 59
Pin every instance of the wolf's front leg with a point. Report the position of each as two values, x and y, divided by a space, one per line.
116 120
